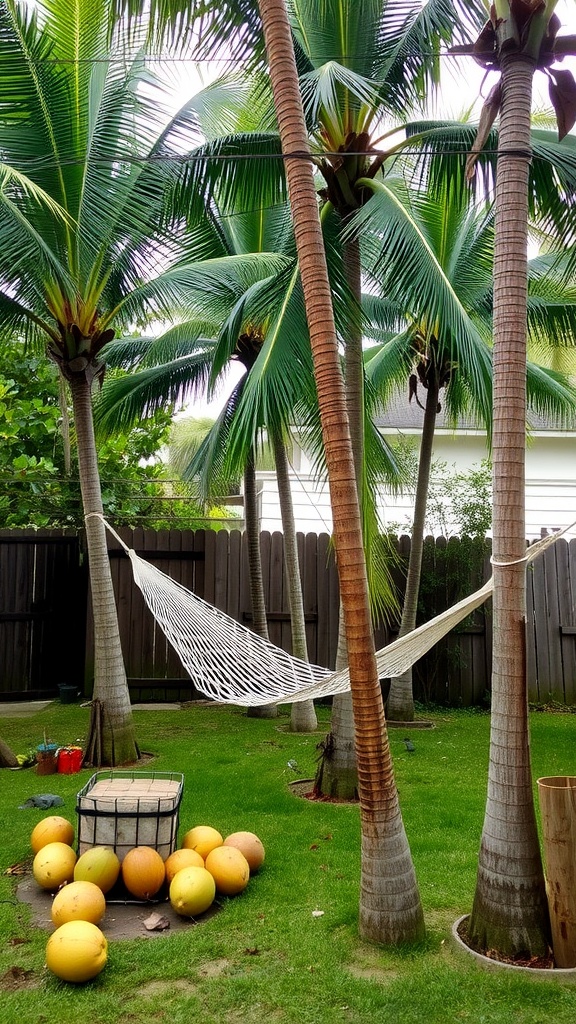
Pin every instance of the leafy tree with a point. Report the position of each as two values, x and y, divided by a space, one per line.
390 908
38 488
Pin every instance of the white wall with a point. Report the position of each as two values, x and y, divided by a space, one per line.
550 484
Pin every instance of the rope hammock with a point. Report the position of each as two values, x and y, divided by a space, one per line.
229 663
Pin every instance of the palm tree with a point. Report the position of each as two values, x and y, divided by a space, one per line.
385 915
77 270
510 911
430 252
390 908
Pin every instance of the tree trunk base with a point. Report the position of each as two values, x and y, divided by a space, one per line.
303 717
336 777
263 711
7 757
532 967
513 934
106 747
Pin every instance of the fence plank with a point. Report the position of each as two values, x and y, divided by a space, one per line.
173 667
221 570
307 544
275 601
234 561
326 655
567 598
540 630
553 623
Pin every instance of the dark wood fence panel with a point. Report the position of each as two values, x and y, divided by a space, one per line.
42 612
566 558
552 624
44 594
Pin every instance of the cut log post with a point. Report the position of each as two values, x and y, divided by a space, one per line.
557 796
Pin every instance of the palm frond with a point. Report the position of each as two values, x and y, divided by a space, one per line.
197 288
551 395
331 92
409 43
126 399
242 172
410 272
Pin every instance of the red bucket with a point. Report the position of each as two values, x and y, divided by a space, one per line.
69 760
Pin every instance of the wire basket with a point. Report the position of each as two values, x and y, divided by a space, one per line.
123 809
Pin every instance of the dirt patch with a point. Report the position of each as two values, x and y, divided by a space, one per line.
372 972
122 920
304 788
162 988
214 968
16 978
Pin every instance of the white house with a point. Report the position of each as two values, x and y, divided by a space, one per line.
550 474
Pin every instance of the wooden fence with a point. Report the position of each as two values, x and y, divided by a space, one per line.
43 587
46 633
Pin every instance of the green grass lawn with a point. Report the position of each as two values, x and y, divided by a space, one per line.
265 958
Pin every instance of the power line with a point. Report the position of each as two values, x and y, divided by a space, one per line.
165 59
118 160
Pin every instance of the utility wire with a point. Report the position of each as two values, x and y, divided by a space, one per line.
117 160
165 59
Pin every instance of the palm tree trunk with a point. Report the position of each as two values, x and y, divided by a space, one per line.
7 757
337 774
510 911
354 362
400 703
110 686
303 715
390 908
256 582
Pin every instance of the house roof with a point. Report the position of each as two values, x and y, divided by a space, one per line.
400 414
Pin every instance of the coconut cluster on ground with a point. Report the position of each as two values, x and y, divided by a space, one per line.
207 864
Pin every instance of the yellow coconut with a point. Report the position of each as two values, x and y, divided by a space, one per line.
182 859
203 839
229 869
79 901
250 845
192 891
76 951
53 865
99 865
143 872
52 829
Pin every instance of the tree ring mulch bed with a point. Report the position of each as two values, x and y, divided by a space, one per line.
534 967
417 724
124 917
304 788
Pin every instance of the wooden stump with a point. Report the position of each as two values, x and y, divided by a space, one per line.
557 796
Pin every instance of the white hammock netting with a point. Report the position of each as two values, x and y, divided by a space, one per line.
229 663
